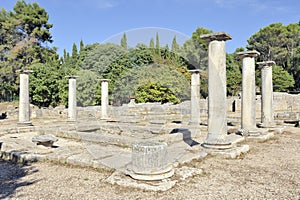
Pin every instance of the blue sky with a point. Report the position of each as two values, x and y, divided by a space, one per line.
102 20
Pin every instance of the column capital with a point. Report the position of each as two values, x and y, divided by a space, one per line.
104 80
24 71
219 36
71 77
252 54
266 64
194 71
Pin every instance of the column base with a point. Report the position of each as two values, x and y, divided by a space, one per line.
71 120
105 118
24 124
229 153
267 125
251 132
191 123
220 144
164 173
260 137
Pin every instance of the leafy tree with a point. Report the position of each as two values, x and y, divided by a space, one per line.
155 92
282 80
279 43
233 75
196 36
142 76
23 35
194 54
44 81
86 88
101 56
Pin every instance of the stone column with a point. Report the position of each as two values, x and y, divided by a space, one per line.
267 111
217 106
195 97
248 119
72 105
104 98
24 104
149 161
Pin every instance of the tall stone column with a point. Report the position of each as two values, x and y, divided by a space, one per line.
248 117
24 104
195 97
72 105
267 110
217 106
104 98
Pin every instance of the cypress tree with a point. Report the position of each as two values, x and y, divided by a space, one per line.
151 45
74 51
175 45
124 41
81 46
157 45
74 55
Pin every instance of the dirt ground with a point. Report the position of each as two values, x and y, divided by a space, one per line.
271 170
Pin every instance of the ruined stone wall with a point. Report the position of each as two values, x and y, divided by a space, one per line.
283 103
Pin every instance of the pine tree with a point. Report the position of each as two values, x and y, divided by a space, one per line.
124 41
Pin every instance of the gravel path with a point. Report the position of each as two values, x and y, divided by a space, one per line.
271 170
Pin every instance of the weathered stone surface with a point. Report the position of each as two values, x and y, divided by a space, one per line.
24 105
45 140
217 106
104 98
267 109
72 105
248 115
149 161
195 97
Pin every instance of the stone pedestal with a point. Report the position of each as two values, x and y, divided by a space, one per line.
248 114
195 97
217 106
267 110
149 161
104 98
24 104
72 103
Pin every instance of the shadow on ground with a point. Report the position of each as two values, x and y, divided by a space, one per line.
10 177
186 136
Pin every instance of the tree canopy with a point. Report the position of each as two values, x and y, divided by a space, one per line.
149 72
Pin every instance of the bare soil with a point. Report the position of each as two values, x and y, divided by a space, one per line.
271 170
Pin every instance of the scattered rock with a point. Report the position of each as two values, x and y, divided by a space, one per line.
45 140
